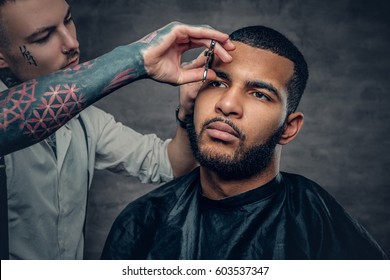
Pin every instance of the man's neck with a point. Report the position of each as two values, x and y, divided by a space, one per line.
8 78
215 187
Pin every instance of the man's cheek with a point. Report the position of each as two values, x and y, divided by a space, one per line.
28 56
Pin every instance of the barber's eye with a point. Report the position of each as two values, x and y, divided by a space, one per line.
69 19
217 84
42 40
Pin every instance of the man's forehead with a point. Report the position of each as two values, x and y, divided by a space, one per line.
254 63
244 51
24 16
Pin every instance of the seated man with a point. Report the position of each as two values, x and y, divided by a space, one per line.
238 204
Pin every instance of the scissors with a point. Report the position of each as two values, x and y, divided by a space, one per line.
209 59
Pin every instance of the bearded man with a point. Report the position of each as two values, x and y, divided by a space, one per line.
238 204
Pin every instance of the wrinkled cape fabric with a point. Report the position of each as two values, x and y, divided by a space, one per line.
290 217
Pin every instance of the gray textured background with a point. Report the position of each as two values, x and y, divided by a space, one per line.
346 138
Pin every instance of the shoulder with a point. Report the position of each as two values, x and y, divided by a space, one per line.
97 121
2 86
135 228
93 114
304 188
309 202
299 180
306 196
336 233
156 204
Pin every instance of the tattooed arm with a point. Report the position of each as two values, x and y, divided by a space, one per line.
35 109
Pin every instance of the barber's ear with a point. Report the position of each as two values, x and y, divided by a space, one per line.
3 62
293 126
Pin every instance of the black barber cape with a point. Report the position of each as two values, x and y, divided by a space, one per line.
290 217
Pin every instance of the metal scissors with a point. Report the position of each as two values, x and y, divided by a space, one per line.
209 58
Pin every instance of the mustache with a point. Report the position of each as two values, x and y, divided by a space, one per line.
240 134
72 54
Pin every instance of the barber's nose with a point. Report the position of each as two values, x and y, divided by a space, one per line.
230 103
69 40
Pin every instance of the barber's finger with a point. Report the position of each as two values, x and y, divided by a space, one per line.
203 31
219 49
196 63
189 92
227 44
195 75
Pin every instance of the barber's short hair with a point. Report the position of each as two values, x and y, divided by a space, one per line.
4 41
2 2
269 39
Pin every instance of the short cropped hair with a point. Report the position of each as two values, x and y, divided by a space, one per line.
269 39
4 41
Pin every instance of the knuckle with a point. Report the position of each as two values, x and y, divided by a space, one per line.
206 26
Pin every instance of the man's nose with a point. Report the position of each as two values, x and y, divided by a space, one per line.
69 40
230 103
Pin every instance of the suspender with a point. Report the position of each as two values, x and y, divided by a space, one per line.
88 177
4 249
4 240
86 143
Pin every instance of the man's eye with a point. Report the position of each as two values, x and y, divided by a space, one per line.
68 19
260 95
42 40
217 84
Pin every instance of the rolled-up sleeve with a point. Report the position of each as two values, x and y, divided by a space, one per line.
120 149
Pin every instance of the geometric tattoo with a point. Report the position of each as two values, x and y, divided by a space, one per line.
148 38
118 80
54 105
58 105
18 102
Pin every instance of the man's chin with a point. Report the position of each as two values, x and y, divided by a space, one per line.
217 154
236 164
219 147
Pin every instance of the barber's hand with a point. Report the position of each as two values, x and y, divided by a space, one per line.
188 92
162 51
187 95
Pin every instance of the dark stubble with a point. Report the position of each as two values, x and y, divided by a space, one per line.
245 162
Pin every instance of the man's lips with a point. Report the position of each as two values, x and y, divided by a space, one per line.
73 62
222 131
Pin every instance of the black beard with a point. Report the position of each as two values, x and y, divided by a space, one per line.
246 161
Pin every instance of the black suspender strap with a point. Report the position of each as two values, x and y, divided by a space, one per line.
86 141
4 249
88 178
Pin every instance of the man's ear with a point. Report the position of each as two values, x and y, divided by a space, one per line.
293 125
3 62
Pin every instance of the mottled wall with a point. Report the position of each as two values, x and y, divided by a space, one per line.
345 143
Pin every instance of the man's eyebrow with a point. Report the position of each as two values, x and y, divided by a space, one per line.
222 75
264 85
35 35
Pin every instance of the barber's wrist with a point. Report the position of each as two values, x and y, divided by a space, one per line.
180 122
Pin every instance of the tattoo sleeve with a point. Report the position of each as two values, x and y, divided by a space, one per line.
33 110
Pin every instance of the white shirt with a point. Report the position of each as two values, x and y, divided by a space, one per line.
47 195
